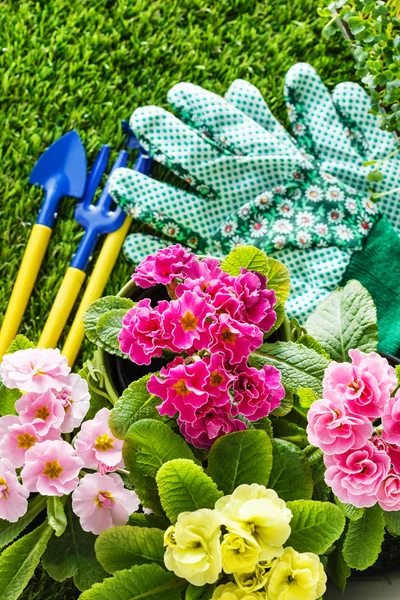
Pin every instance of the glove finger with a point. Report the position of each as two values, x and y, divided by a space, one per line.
315 121
139 246
247 98
224 123
354 104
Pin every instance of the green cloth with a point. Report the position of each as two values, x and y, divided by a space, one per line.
377 267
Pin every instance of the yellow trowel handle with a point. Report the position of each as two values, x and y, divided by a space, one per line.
28 271
62 307
94 289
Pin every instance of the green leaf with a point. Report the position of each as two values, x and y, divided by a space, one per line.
291 432
100 307
350 511
20 342
73 555
345 319
299 366
205 592
135 403
278 280
56 514
356 25
337 568
364 539
9 531
308 341
285 406
148 520
98 396
142 581
19 561
266 425
122 547
315 525
248 257
8 398
183 486
108 327
374 176
324 12
392 522
306 397
291 475
240 457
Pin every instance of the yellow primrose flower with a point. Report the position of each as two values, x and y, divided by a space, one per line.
257 579
239 555
295 575
257 513
230 591
193 547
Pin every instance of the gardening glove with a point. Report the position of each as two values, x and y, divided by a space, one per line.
228 158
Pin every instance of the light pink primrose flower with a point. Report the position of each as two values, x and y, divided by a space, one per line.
16 439
101 502
51 468
333 429
365 384
162 267
96 444
181 386
211 423
257 301
34 370
75 399
235 340
43 411
185 321
388 494
13 495
391 449
257 392
356 475
391 420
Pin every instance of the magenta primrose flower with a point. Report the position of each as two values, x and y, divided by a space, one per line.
234 339
162 267
97 446
257 392
257 301
44 411
13 495
141 336
34 370
101 502
51 468
185 322
210 423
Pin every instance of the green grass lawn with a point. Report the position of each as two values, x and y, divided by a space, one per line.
87 64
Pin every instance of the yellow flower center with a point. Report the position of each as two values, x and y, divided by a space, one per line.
26 441
181 388
216 378
189 321
228 336
104 500
104 443
42 413
3 488
53 469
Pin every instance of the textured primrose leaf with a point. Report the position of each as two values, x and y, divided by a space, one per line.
107 330
122 547
346 319
315 525
278 279
56 515
141 581
8 398
9 531
291 475
300 367
183 486
291 432
20 342
392 522
337 568
100 307
248 257
350 511
240 457
364 539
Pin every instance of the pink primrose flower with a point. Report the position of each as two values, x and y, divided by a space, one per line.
365 384
391 420
75 400
44 411
13 495
356 475
206 270
51 468
96 444
16 439
34 370
257 301
333 429
257 392
391 449
185 321
101 502
163 266
181 386
211 423
388 494
218 380
235 340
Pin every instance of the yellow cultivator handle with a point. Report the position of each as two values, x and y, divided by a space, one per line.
62 307
94 289
30 265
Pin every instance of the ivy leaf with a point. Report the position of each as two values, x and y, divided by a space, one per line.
20 342
56 515
364 539
183 486
240 457
278 279
345 319
141 581
107 330
248 257
349 510
9 531
300 367
135 403
315 526
73 555
122 547
392 522
100 307
291 475
19 561
8 398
